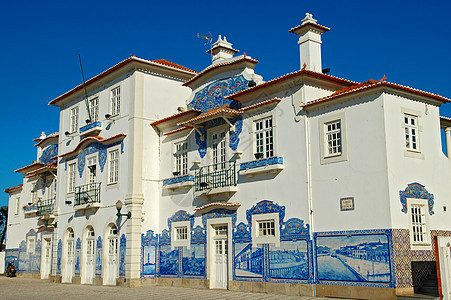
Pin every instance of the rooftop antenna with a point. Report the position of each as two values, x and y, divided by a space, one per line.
86 93
207 37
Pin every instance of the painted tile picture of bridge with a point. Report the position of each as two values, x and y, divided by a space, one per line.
289 261
363 258
248 260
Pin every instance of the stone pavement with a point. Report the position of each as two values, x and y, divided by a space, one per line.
24 288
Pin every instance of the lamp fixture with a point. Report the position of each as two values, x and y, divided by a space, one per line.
67 133
107 116
176 173
119 207
326 70
68 202
251 83
88 121
46 221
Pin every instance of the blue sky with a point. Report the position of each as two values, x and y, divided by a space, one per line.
408 41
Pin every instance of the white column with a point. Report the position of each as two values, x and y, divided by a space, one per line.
448 141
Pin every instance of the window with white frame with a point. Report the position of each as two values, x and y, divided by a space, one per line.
115 101
34 193
264 138
333 138
91 162
94 109
181 233
31 244
411 132
74 119
113 172
419 228
181 236
265 229
71 178
181 158
17 206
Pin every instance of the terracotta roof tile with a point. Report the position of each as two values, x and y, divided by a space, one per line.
10 189
212 112
176 130
215 66
175 116
218 205
260 104
171 64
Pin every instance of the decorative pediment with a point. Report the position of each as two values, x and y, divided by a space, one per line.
179 216
198 235
417 191
265 207
242 233
219 213
294 229
149 238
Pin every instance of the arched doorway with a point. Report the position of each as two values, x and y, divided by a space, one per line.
112 255
89 255
69 256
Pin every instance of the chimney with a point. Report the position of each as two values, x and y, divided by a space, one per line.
221 50
310 43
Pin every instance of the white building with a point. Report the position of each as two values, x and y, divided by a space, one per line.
242 186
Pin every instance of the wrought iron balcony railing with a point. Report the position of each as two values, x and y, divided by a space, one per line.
87 194
46 206
215 176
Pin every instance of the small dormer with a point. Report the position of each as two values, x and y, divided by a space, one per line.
221 50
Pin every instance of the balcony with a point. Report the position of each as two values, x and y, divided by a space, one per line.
215 179
87 196
91 129
266 165
184 181
30 209
46 206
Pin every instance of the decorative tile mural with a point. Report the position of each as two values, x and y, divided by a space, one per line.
59 253
193 260
289 261
148 254
261 163
248 261
99 257
416 190
48 153
77 257
169 260
178 179
354 256
213 96
122 251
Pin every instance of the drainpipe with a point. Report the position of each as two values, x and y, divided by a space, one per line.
448 141
309 189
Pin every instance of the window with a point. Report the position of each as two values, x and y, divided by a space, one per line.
17 207
181 233
266 228
94 109
333 138
71 178
264 141
74 119
411 132
181 159
31 245
34 193
115 101
91 163
113 174
419 229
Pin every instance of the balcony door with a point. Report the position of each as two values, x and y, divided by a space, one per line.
69 251
218 145
90 256
92 163
112 256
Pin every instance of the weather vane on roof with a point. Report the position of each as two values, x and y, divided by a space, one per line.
207 37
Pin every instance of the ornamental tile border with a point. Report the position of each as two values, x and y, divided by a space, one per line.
261 163
178 179
90 126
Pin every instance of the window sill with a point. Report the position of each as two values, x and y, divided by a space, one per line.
87 206
413 154
417 247
220 190
266 165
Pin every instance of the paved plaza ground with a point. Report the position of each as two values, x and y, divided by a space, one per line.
24 288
